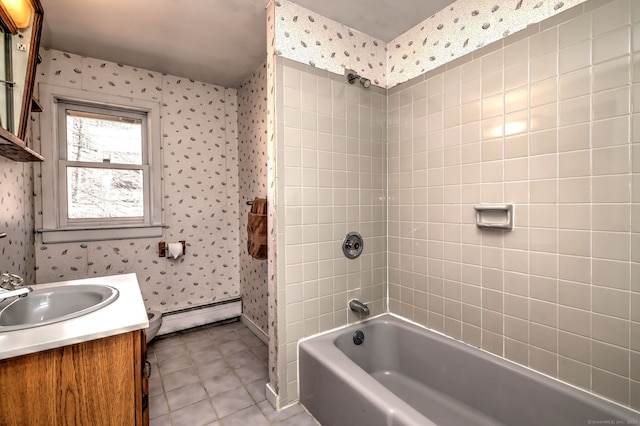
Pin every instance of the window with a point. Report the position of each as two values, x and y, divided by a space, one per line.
105 177
103 165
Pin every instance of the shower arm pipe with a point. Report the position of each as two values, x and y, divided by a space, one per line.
352 77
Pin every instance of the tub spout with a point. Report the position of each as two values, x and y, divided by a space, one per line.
359 307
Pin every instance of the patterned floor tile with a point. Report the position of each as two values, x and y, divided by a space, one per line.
215 376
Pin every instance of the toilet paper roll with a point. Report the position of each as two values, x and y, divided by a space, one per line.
175 250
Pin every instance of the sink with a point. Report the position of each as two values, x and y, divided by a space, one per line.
55 304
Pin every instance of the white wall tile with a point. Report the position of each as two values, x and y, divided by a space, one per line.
611 45
575 57
569 171
574 31
610 17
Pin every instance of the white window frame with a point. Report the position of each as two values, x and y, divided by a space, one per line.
55 226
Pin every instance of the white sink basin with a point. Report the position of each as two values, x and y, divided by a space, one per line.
55 304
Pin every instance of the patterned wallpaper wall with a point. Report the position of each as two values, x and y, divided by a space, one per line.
461 28
312 39
16 219
200 188
277 362
252 168
466 25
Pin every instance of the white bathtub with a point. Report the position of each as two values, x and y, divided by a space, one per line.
404 374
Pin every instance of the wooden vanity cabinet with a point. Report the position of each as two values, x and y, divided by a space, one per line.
99 382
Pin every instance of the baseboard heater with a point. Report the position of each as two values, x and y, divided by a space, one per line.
196 316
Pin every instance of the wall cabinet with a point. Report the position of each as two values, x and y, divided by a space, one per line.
99 382
18 72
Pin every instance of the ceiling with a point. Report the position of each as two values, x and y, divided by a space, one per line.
381 19
214 41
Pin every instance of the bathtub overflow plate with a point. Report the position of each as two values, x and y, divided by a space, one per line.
358 337
352 245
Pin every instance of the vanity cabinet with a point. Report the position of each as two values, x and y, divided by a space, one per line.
98 382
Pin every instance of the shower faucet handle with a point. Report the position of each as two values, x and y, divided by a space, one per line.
352 245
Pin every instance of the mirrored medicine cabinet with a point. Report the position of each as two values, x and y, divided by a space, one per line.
20 28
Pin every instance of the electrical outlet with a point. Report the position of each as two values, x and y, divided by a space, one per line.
21 47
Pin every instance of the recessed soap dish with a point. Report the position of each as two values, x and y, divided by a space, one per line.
494 216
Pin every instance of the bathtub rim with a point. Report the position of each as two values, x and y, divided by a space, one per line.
326 336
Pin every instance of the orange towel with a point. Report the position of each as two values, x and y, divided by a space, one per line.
257 229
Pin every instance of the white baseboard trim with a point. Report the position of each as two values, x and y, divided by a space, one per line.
255 329
184 320
272 396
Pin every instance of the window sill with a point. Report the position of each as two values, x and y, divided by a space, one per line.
73 235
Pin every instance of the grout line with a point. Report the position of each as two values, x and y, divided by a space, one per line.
237 337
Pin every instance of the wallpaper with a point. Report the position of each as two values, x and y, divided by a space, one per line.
16 219
277 368
461 28
199 187
312 39
252 168
465 26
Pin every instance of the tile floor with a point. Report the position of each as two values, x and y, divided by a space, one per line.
214 375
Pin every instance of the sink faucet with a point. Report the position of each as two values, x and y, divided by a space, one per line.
359 307
11 285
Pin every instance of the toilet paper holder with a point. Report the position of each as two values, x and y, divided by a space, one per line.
163 248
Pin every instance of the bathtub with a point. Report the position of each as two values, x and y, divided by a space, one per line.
403 374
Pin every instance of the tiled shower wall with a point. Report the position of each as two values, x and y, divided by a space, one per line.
331 179
16 219
252 167
199 188
543 119
303 36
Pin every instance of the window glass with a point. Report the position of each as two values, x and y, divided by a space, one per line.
103 138
94 193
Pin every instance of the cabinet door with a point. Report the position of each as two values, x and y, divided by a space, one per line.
142 380
88 383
